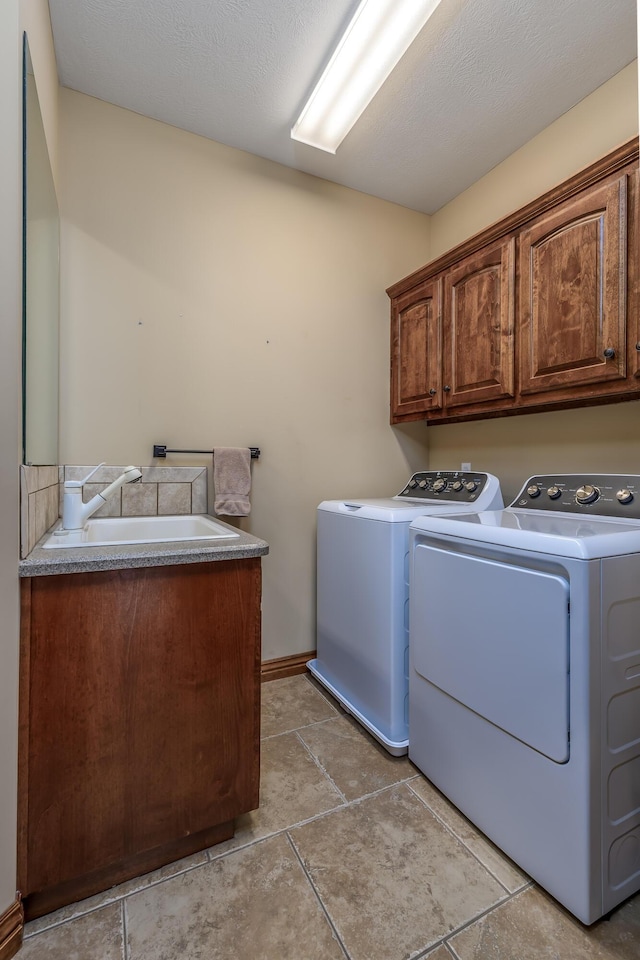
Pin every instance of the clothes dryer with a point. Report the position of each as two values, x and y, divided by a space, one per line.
363 594
524 685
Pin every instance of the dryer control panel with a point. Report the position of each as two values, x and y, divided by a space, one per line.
604 495
452 485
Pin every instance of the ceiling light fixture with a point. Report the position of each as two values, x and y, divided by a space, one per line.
379 34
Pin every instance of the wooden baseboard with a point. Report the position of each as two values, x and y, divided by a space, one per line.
286 666
11 927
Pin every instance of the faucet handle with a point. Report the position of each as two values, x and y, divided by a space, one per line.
81 483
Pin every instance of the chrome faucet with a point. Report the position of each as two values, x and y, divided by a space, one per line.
75 513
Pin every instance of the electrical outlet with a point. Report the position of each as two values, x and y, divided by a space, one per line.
465 466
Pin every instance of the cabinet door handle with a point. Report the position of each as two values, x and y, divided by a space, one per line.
447 389
432 391
609 353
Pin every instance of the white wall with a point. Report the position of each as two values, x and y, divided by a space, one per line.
211 297
606 438
10 320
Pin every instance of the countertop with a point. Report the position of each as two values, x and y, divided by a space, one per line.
42 563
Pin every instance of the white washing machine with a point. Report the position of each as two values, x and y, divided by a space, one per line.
363 594
524 684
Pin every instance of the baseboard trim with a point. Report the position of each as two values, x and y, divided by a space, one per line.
11 927
285 667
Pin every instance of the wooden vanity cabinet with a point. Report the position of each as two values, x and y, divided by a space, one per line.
540 311
139 721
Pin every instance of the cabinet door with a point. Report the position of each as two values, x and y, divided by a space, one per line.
416 351
479 299
140 721
573 280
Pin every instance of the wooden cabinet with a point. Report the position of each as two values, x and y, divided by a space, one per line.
452 336
540 311
416 350
573 290
139 726
478 326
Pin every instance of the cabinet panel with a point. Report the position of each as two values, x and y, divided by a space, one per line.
573 279
478 326
140 720
416 349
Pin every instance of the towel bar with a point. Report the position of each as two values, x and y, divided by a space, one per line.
160 450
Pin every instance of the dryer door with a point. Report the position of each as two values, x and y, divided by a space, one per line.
495 636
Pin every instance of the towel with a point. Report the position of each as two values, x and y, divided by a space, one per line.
232 481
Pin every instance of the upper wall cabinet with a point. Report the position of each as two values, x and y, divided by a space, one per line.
540 311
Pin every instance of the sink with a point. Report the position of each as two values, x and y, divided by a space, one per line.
113 531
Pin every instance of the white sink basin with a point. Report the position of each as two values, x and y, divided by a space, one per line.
113 531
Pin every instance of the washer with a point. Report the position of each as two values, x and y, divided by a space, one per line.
524 684
363 584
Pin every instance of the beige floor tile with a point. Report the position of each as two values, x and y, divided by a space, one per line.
494 860
354 761
115 893
291 703
392 878
256 903
292 789
96 936
531 926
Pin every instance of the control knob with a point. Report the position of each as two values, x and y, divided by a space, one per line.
470 486
439 485
457 485
587 493
624 496
413 484
423 484
553 492
533 490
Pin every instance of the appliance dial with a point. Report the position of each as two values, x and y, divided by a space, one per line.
533 490
439 485
457 485
470 486
413 484
554 492
624 496
587 493
423 484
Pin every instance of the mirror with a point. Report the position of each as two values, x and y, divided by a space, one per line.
41 285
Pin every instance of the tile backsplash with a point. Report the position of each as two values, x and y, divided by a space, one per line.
162 491
39 499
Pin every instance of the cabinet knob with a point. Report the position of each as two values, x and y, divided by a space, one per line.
432 392
638 346
609 353
447 389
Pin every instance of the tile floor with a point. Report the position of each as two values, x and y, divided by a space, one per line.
352 854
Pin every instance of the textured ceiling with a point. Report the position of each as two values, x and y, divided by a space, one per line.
483 77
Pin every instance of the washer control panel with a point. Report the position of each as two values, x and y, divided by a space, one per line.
605 495
453 485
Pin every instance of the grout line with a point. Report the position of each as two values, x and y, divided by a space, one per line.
305 726
317 894
464 844
321 768
116 898
123 918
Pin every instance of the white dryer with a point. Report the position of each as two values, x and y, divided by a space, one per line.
363 594
525 679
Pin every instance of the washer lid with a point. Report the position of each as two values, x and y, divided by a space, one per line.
563 535
389 510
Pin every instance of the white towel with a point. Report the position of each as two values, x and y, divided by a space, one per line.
232 481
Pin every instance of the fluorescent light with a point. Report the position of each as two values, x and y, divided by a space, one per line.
379 34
